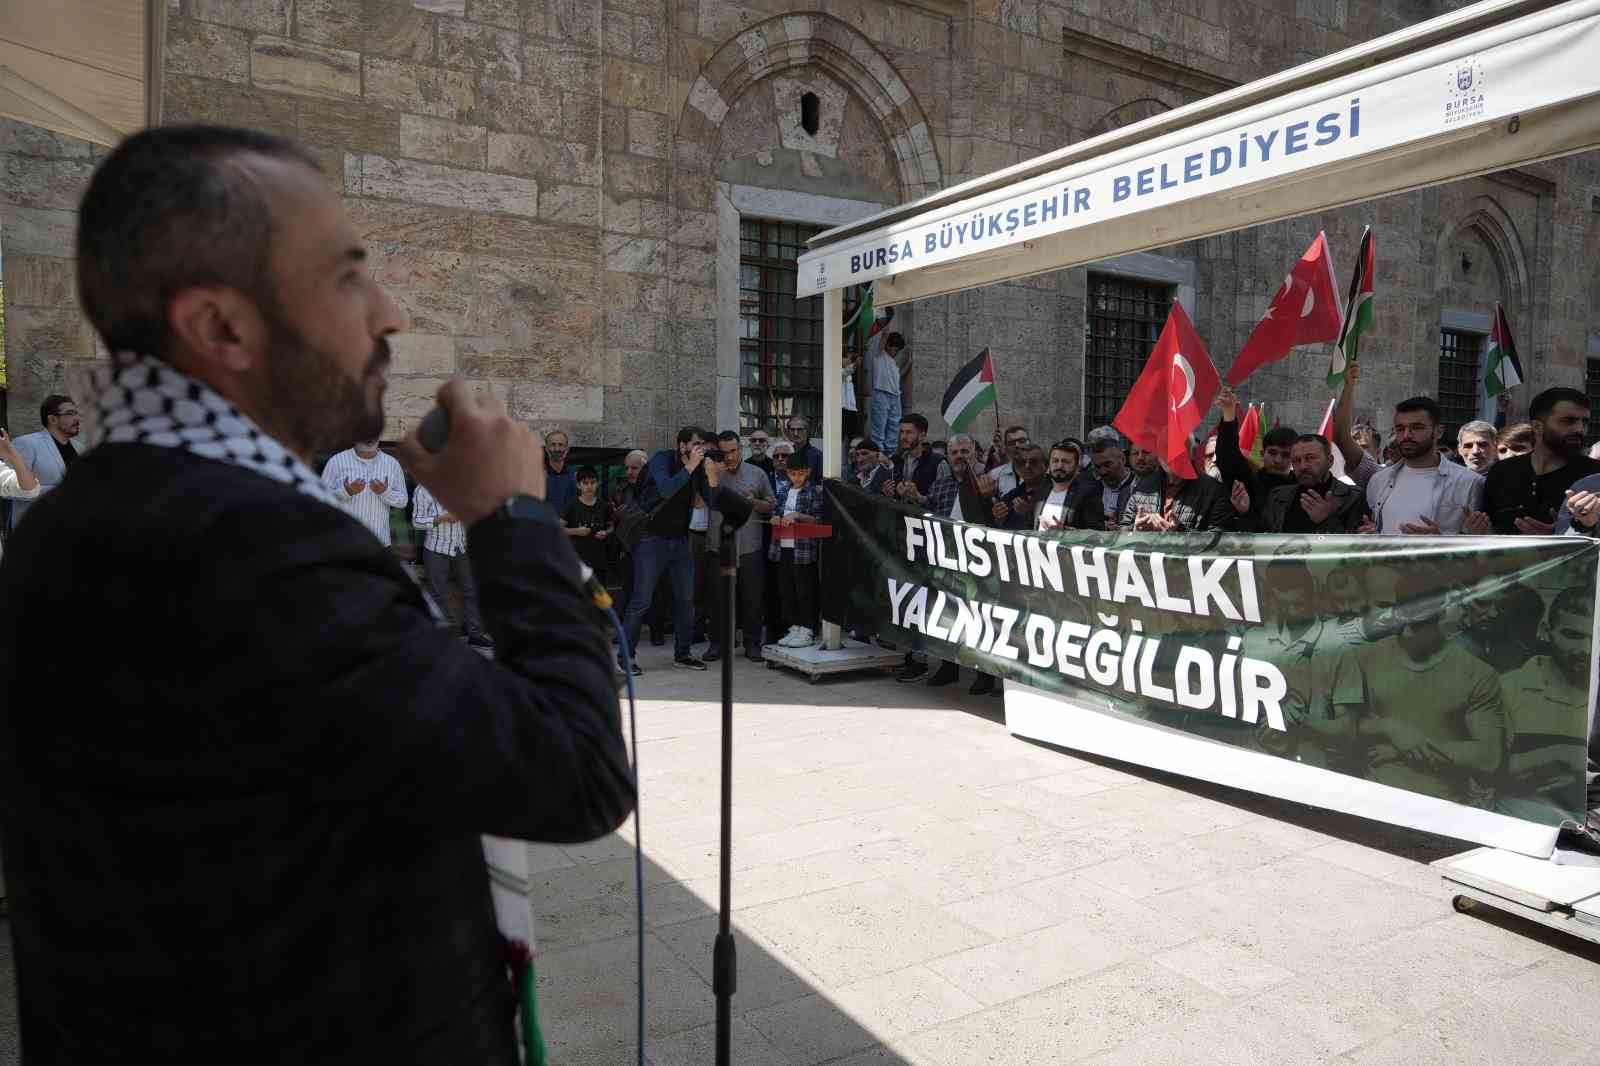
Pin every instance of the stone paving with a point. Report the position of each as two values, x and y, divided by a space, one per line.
915 887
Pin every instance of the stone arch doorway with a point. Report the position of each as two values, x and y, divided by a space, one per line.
743 150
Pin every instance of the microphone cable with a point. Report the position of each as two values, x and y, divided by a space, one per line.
626 655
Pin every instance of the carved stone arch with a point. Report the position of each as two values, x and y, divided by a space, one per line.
816 40
1127 114
1490 222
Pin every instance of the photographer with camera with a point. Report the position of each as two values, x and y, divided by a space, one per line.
672 481
245 775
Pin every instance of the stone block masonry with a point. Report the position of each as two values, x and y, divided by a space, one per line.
545 186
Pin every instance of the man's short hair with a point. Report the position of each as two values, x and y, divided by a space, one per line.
1101 445
1546 401
783 447
1106 434
893 340
916 420
1477 429
729 434
173 208
638 454
1279 437
1420 403
1068 445
587 473
52 406
557 429
1014 429
689 433
798 418
1312 438
867 444
968 437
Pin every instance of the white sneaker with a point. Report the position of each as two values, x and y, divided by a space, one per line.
801 639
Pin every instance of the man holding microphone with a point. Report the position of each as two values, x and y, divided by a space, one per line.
248 828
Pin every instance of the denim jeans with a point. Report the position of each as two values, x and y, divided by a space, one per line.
883 419
653 557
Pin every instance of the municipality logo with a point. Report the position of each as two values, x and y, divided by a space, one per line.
1464 100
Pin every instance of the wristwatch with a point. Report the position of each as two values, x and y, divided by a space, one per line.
524 508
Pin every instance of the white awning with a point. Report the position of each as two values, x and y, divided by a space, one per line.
1494 85
81 67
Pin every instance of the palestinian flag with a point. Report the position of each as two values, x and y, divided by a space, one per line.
1357 313
970 392
1504 370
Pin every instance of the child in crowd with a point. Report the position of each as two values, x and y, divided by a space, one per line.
797 501
588 522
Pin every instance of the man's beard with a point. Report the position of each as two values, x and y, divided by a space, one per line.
1411 449
1310 481
309 398
1566 447
1060 477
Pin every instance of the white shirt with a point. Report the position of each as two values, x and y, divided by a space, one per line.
885 373
10 487
1411 500
447 538
369 508
849 390
700 520
1005 478
1055 507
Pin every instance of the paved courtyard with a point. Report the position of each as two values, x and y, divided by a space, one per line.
914 886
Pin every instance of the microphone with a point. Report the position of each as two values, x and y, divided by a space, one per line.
432 434
434 430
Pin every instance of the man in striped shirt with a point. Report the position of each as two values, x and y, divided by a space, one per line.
444 559
367 482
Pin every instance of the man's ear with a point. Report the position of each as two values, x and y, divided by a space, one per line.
218 328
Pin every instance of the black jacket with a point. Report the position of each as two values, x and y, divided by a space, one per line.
1200 505
244 774
1233 466
1350 508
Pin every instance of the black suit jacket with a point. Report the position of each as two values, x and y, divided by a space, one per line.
244 775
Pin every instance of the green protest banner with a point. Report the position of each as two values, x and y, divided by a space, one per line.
1453 668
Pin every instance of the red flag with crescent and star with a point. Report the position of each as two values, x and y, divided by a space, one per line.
1172 395
1306 310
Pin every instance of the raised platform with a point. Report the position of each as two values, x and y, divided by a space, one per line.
818 662
1562 893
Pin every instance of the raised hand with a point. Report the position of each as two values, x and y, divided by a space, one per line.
1585 507
1318 508
355 488
1227 403
1000 511
986 485
1240 498
1367 525
1535 527
379 487
1475 523
1423 527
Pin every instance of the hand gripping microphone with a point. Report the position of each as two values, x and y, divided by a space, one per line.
432 435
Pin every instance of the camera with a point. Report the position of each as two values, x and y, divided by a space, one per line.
713 453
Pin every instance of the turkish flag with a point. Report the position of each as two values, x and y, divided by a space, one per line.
1172 395
1306 310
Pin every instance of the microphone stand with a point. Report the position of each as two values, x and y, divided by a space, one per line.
725 981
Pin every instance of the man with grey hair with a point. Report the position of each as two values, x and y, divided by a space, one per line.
1476 444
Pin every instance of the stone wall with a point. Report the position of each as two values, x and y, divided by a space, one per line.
42 178
549 186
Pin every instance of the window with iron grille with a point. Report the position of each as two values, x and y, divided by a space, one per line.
780 337
1124 320
1591 386
1460 360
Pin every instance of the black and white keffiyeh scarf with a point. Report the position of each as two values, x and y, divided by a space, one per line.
138 399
